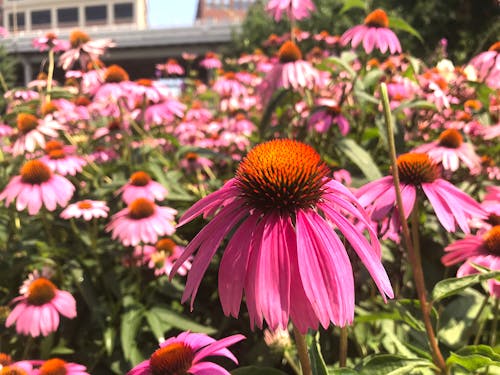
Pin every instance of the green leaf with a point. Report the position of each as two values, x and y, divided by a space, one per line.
254 370
474 357
342 371
449 287
318 365
388 364
418 104
173 319
400 24
155 322
109 337
131 321
342 63
349 4
360 157
363 96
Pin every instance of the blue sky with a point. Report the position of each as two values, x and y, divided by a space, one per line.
164 13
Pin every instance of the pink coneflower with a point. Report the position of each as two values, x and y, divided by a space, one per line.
57 366
31 132
294 9
50 41
282 210
17 368
83 49
418 172
171 67
185 354
291 72
449 150
142 221
141 185
483 250
144 91
86 209
491 132
324 36
198 112
37 310
164 113
328 114
211 61
37 186
374 33
228 86
161 257
192 162
61 159
487 65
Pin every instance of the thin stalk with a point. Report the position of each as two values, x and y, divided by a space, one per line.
413 251
5 88
493 339
50 75
291 362
343 347
300 343
476 318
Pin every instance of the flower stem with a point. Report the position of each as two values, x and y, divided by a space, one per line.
343 347
479 332
413 248
290 361
493 339
3 84
300 342
50 75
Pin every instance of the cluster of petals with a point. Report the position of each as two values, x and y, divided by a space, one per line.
140 185
162 257
294 9
58 366
34 135
86 209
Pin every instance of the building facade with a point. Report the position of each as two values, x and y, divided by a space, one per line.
27 16
222 10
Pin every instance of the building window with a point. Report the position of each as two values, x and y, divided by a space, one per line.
124 12
20 22
67 17
41 18
97 14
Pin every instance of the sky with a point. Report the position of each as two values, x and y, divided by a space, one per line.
162 13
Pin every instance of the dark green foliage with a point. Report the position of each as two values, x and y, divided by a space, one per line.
7 73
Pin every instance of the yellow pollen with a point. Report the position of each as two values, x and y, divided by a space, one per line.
166 245
141 208
172 359
492 240
495 47
41 291
289 52
115 74
26 122
84 205
140 178
77 38
53 366
35 172
416 168
451 138
282 175
377 18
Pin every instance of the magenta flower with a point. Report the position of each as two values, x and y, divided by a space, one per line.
417 172
185 354
162 256
294 9
50 41
483 250
58 160
37 186
328 114
83 49
487 65
17 368
284 254
142 221
86 209
374 33
171 67
37 310
58 366
140 185
211 61
449 150
228 86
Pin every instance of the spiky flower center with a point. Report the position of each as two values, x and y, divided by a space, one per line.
377 18
197 104
57 154
493 219
84 205
41 291
140 178
53 366
191 156
53 145
144 82
48 108
473 104
115 74
35 172
42 76
141 208
172 62
82 101
416 168
50 36
166 245
451 138
283 175
334 110
492 240
5 359
230 76
172 359
77 38
495 47
12 370
26 122
289 52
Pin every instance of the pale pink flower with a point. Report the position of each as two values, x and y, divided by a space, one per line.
281 212
161 257
328 113
418 172
141 185
186 353
228 86
145 91
487 65
164 113
193 162
374 33
86 209
37 311
449 150
50 41
294 9
142 221
64 163
211 61
17 368
198 112
171 67
83 49
58 366
37 186
491 132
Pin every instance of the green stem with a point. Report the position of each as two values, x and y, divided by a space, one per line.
474 322
50 75
46 225
343 347
300 343
493 339
27 348
413 248
291 362
5 88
